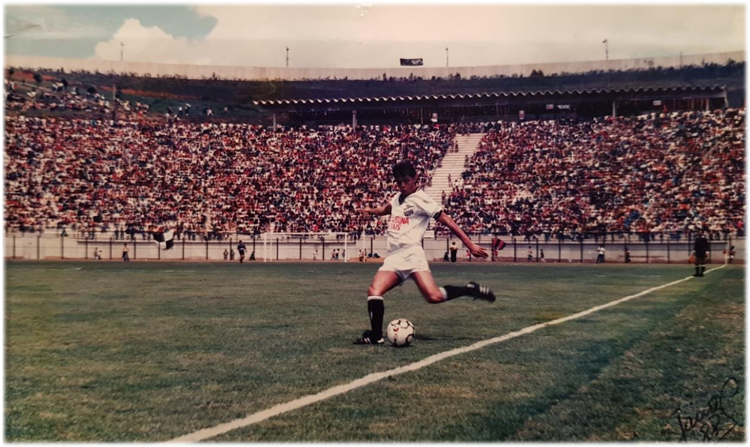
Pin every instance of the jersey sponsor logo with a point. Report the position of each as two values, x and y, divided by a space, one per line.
408 211
396 222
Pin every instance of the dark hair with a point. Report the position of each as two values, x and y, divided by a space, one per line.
404 169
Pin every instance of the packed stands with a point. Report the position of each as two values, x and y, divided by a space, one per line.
660 173
204 178
655 173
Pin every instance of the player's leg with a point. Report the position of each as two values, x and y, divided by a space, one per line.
381 284
434 294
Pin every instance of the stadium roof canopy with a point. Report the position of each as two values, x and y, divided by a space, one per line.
536 104
300 105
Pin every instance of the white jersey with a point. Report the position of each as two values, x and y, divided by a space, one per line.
408 221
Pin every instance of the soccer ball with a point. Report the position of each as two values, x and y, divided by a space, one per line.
400 332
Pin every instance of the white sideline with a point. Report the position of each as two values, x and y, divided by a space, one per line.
374 377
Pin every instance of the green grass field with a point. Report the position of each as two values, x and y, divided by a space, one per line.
151 351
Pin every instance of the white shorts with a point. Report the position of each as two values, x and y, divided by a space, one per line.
406 261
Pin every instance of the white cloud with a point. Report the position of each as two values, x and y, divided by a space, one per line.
150 44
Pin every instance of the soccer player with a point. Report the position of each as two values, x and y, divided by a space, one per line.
410 212
700 248
241 250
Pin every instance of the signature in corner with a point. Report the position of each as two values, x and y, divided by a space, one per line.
712 422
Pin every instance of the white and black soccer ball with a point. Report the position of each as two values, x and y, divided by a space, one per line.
400 332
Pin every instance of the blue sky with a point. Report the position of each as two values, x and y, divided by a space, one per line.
370 35
72 31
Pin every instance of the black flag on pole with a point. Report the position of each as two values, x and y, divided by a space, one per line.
165 239
411 62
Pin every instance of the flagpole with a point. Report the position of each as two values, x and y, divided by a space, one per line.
606 49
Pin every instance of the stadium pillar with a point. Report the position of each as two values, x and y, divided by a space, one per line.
559 248
372 239
110 248
614 109
515 258
158 252
300 249
354 122
277 249
206 249
86 248
668 256
581 242
183 248
647 239
323 256
274 121
537 249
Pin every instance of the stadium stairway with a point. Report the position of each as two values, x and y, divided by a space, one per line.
453 165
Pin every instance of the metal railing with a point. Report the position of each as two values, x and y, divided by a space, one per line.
638 248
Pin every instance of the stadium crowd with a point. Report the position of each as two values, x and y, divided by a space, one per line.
669 173
205 179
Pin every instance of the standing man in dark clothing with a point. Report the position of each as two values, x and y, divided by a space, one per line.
454 252
241 249
700 249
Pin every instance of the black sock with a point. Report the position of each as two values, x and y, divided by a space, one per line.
452 292
376 309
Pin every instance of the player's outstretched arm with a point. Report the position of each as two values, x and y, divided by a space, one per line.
379 211
475 249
